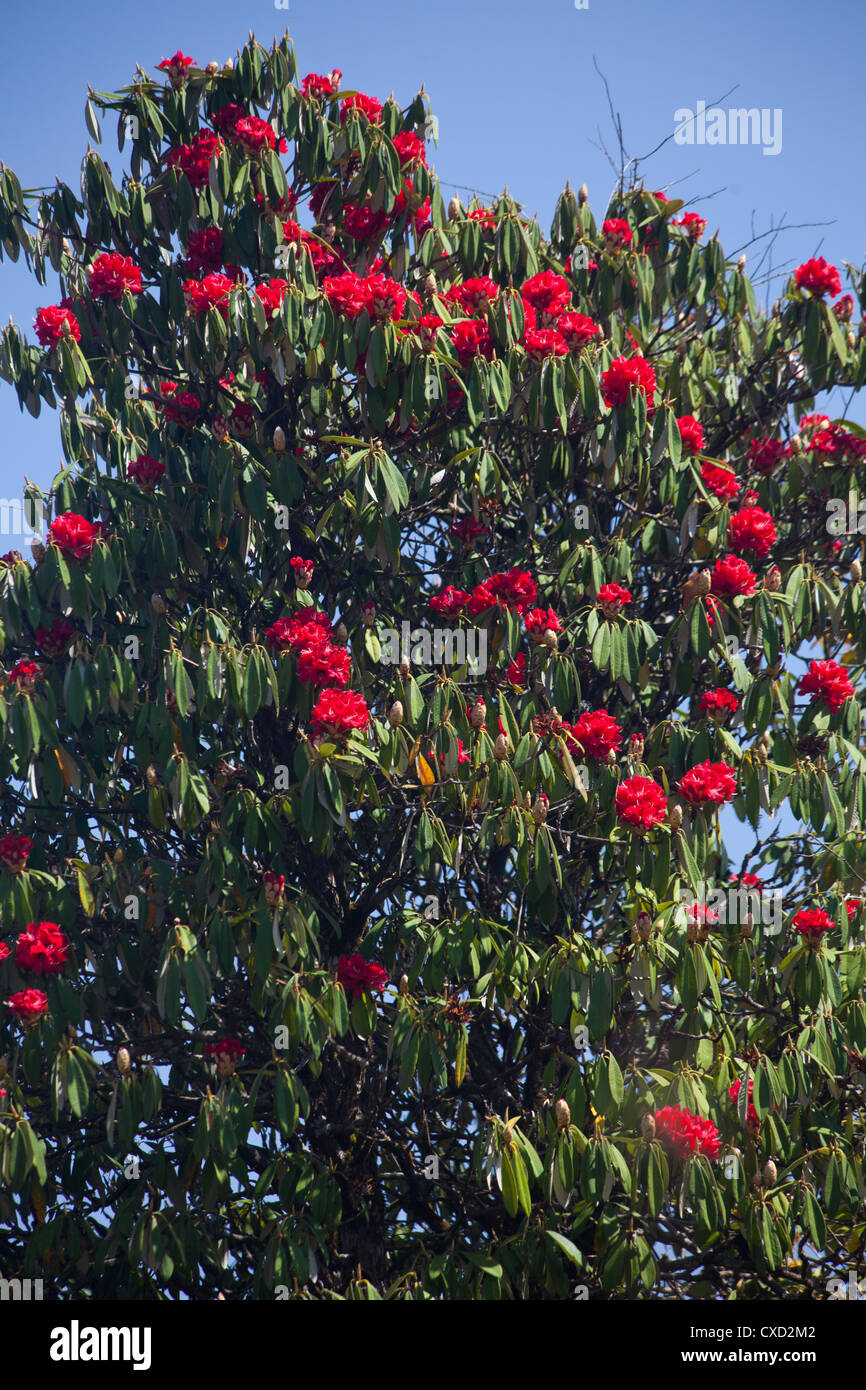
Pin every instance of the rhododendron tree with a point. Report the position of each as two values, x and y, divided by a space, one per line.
399 977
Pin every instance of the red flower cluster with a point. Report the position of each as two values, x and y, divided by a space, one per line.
828 683
272 293
111 275
315 85
544 342
225 1047
752 529
337 712
362 105
451 602
514 588
640 802
255 135
74 535
468 530
471 339
204 252
194 159
837 445
350 293
320 660
577 329
175 66
693 223
210 293
274 887
732 576
818 278
718 702
594 733
765 455
708 784
547 293
54 323
28 1005
26 673
612 597
617 232
54 641
720 481
146 471
625 373
691 434
42 948
813 923
473 296
686 1133
14 850
303 571
540 620
300 631
358 976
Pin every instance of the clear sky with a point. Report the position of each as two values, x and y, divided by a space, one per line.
519 101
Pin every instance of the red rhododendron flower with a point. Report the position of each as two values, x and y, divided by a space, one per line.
112 274
410 149
828 684
225 1047
26 673
752 529
183 406
358 976
732 576
307 629
640 802
179 62
818 277
813 923
708 784
595 733
622 375
315 85
345 293
54 323
747 879
324 664
751 1113
74 535
256 134
473 296
204 252
146 471
720 481
718 702
547 292
538 621
272 293
42 948
686 1133
227 117
28 1005
194 159
303 570
844 308
210 293
337 712
451 602
691 433
471 339
359 104
4 952
834 442
766 454
384 298
852 906
274 886
612 597
362 223
468 530
544 342
616 232
14 850
462 755
577 329
516 673
693 223
55 641
515 588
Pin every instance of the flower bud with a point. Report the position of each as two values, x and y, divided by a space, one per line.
429 283
856 571
770 1173
221 542
773 579
583 194
454 209
563 1114
539 807
368 613
478 714
648 1127
551 641
746 927
341 633
151 775
228 65
38 550
644 925
796 445
395 714
741 263
500 747
675 816
634 934
123 1060
158 604
404 667
4 1066
404 985
212 69
279 439
635 746
611 757
118 856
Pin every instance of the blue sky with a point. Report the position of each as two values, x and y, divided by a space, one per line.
518 99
